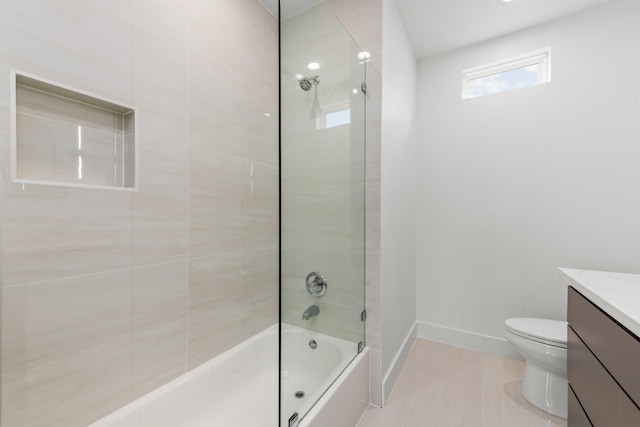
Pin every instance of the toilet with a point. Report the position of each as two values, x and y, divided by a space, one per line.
543 343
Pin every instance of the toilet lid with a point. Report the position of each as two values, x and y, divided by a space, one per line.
553 331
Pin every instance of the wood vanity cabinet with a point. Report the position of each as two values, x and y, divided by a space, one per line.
603 368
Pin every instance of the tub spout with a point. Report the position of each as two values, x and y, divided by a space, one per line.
314 310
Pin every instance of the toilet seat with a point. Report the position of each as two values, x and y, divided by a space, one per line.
544 331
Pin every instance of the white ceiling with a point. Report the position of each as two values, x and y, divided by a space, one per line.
436 26
289 7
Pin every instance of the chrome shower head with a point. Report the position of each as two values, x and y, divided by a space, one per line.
306 83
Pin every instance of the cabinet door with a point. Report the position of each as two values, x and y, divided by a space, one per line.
616 348
605 403
577 417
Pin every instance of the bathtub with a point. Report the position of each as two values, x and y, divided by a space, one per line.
307 372
240 386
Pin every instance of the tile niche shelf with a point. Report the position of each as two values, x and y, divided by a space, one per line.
65 137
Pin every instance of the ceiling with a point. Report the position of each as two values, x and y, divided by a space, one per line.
436 26
289 7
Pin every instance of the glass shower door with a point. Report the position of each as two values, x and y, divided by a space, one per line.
322 203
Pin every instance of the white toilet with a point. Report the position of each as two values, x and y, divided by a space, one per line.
543 343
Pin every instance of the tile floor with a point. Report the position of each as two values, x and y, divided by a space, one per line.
444 386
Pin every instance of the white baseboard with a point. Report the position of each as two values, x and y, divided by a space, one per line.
466 339
392 373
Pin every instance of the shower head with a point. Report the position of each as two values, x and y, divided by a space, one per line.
306 83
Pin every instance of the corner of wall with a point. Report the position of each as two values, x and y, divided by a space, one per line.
466 339
392 373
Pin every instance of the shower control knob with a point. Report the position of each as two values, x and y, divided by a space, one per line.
316 284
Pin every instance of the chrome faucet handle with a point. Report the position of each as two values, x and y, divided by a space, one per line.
316 284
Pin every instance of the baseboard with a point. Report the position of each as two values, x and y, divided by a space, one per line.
392 373
467 339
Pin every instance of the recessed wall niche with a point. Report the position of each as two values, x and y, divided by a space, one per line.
62 136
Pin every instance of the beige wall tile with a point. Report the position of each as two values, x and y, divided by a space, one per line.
54 232
216 185
260 205
159 325
374 324
216 106
216 99
159 68
233 203
374 102
215 308
5 151
216 318
260 290
80 45
260 142
66 344
160 207
363 20
208 186
231 297
160 230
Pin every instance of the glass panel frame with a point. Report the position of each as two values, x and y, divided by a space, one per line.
322 210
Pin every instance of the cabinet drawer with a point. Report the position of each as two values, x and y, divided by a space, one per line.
577 417
605 402
615 347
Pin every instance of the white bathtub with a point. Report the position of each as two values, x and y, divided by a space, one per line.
307 370
240 387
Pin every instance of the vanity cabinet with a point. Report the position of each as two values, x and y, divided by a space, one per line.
603 367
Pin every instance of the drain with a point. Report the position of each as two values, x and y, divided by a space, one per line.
299 394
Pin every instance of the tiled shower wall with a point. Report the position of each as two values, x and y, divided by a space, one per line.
107 294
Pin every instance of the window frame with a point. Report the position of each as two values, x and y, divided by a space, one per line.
540 57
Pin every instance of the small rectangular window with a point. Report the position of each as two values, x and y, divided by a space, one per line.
338 118
335 115
525 70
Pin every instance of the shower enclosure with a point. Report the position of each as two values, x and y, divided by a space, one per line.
322 173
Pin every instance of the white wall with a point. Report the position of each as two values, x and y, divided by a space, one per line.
399 108
512 186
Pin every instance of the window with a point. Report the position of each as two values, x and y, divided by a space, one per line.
337 118
333 116
525 70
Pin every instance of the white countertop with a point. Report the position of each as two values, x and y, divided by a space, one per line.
617 294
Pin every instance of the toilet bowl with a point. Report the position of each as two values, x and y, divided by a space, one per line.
543 343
